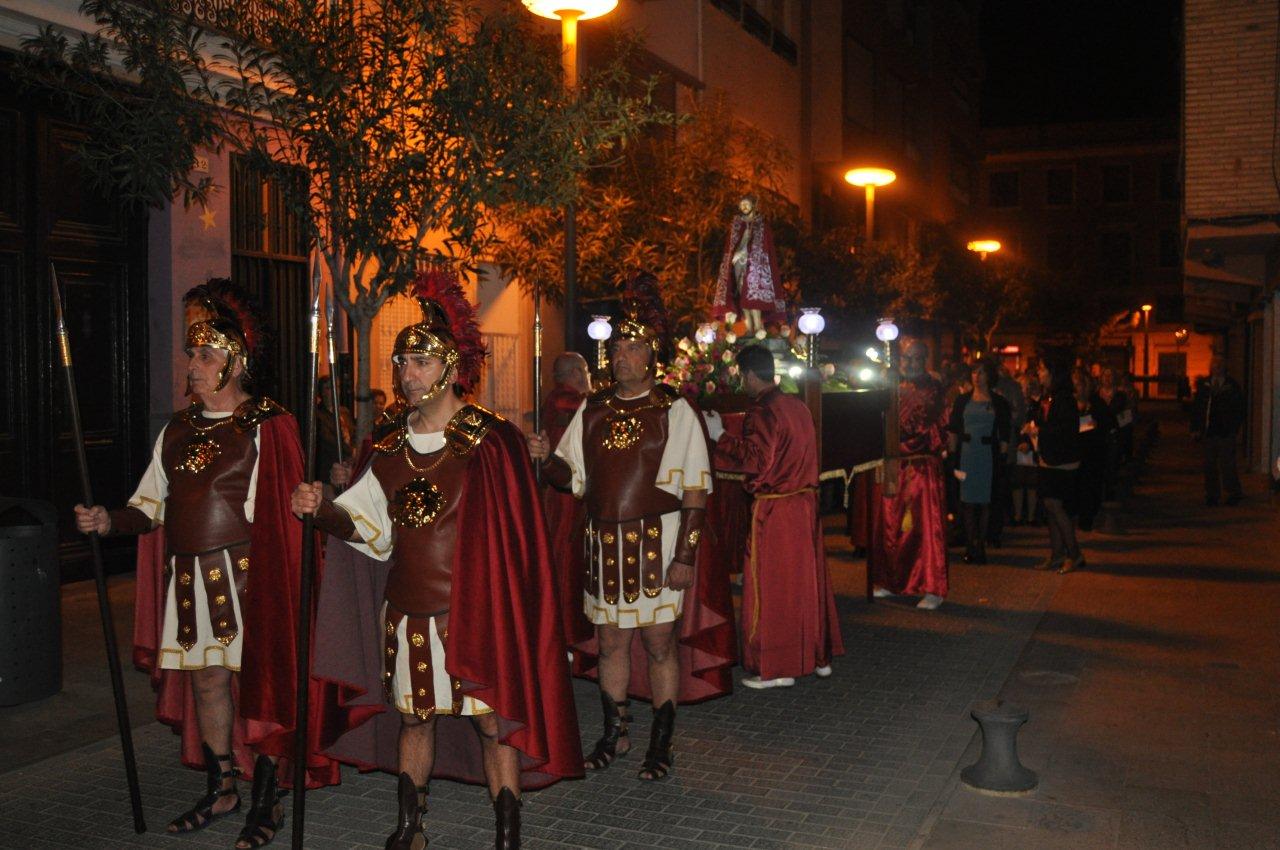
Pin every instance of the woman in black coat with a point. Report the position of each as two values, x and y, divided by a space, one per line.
1055 429
1097 436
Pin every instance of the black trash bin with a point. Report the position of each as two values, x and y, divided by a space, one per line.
30 613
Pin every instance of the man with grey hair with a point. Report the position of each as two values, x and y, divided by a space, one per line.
908 551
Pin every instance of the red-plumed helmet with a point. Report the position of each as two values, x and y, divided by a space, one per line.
448 329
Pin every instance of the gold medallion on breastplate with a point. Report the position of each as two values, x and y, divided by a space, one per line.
198 453
624 432
416 504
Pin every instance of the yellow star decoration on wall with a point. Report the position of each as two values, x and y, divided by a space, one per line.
206 218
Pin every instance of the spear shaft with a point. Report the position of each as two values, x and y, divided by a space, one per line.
308 578
333 376
99 574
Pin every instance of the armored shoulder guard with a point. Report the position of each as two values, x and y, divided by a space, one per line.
600 396
663 395
467 428
392 441
252 413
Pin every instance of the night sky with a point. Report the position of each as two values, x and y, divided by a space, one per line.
1080 60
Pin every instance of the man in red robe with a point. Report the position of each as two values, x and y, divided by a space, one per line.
789 623
908 549
218 572
470 652
566 517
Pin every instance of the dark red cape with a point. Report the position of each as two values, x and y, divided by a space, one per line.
265 689
708 646
566 521
505 642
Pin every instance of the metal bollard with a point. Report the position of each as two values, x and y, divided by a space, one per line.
997 770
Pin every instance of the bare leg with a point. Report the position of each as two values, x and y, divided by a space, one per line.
214 712
664 663
417 747
501 762
615 667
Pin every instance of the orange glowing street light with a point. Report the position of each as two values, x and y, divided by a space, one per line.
569 12
982 247
869 179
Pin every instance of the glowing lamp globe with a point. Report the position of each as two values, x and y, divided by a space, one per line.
866 375
705 335
873 354
599 329
984 246
886 331
583 10
869 177
795 371
811 321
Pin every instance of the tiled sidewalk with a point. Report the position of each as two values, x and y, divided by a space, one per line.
858 760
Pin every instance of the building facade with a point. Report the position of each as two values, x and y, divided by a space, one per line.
1094 208
1231 218
829 80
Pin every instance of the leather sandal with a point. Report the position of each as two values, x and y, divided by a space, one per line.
409 834
202 814
616 720
659 757
262 825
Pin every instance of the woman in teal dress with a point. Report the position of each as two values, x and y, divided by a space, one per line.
980 437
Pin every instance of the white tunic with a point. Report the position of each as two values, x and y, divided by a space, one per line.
684 466
366 503
207 651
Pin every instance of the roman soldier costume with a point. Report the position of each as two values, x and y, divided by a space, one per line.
631 460
466 614
218 569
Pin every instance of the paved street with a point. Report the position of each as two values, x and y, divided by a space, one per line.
1151 679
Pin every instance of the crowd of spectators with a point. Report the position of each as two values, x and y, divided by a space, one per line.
1043 446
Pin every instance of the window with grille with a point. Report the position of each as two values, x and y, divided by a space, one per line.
269 259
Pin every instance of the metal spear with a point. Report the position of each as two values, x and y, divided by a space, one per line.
99 574
300 741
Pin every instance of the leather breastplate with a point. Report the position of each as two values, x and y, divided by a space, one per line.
209 463
622 446
421 578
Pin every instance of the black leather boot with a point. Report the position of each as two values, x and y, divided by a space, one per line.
659 758
409 834
261 825
507 809
616 719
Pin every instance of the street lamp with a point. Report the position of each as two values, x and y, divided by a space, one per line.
869 179
811 324
568 12
1146 350
600 330
887 332
982 247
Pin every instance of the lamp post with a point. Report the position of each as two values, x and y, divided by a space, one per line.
869 179
1146 350
600 330
811 324
982 247
887 333
569 12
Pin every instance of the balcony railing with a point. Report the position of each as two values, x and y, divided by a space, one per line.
245 18
759 27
